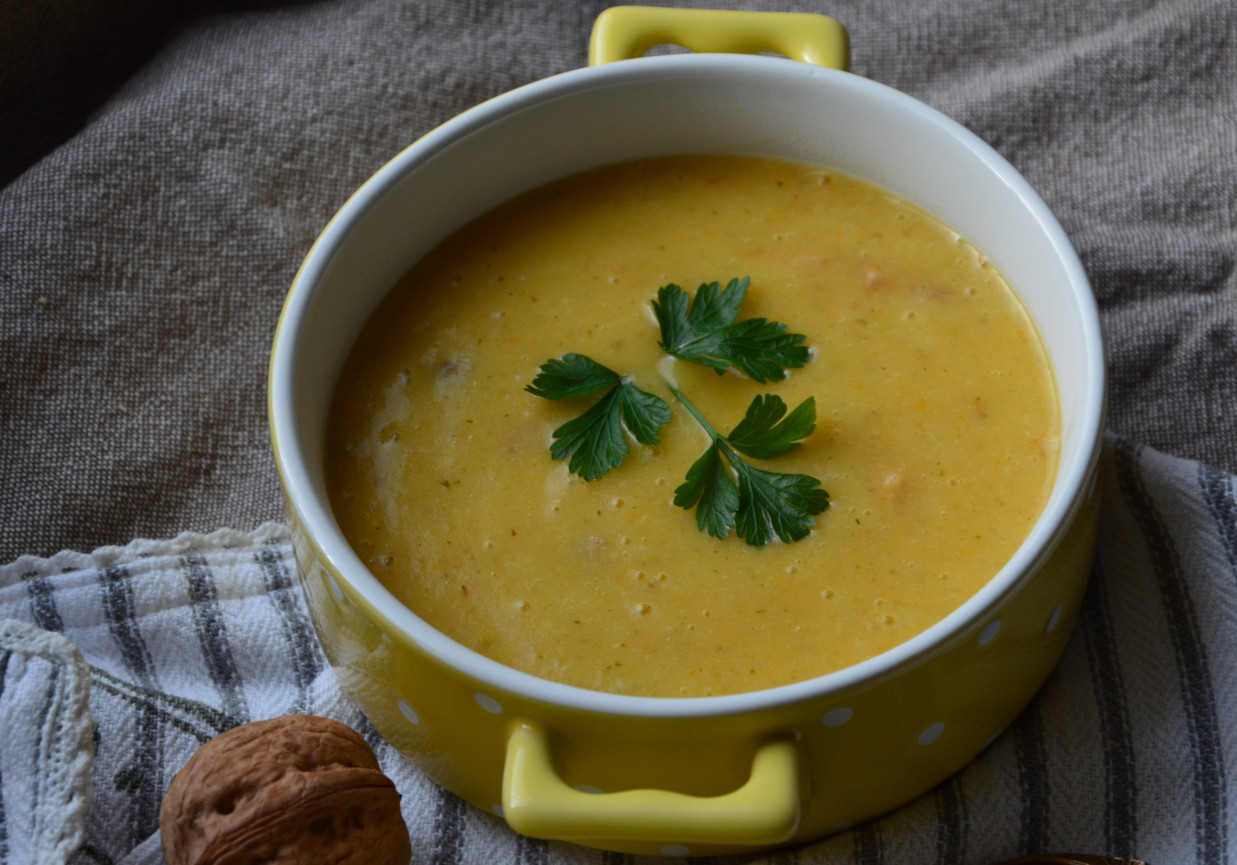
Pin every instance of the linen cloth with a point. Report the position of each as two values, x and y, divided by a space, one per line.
164 168
168 165
47 747
1129 750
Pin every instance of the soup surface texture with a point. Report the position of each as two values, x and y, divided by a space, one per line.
936 436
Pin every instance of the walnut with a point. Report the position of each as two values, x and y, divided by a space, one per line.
294 789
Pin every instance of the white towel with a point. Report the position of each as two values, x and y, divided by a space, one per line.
1130 749
46 745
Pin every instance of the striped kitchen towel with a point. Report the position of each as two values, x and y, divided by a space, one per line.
1126 751
46 744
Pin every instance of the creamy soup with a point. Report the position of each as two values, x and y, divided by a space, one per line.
936 435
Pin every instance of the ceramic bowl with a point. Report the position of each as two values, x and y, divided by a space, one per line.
717 774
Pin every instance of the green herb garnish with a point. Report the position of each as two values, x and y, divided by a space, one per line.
762 503
595 441
726 491
704 331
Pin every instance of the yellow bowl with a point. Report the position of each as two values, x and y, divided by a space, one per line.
718 774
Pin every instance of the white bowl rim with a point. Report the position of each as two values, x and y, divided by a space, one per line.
314 515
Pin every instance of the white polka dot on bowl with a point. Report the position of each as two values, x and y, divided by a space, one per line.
931 733
988 634
488 703
836 717
1053 619
335 589
408 712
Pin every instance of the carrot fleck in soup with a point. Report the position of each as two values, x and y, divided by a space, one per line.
936 429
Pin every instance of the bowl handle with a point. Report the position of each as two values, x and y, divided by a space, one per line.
538 803
624 32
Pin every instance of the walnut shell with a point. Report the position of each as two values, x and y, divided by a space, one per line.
294 789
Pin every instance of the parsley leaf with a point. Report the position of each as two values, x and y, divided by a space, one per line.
762 504
704 331
711 490
596 441
571 376
727 493
772 503
764 432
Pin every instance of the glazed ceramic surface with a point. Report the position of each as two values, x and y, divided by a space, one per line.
717 774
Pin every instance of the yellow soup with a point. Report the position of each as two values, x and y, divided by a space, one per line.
936 435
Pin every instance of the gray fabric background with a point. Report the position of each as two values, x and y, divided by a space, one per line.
165 171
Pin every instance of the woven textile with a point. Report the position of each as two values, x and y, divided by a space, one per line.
169 164
1127 751
47 747
165 166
